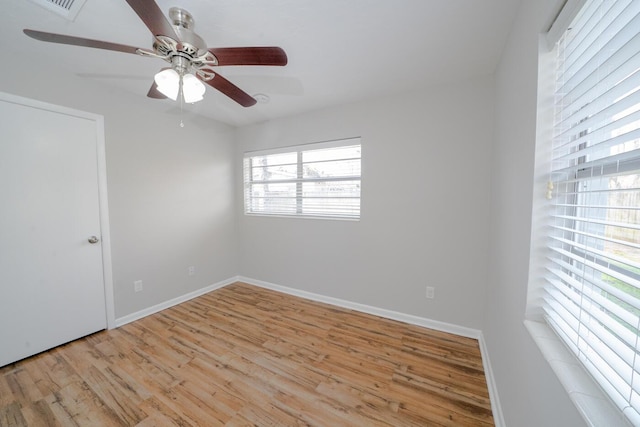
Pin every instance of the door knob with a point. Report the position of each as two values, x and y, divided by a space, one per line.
93 240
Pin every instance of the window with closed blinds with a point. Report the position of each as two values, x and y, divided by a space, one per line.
592 292
317 180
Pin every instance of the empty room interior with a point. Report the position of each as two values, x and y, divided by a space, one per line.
277 212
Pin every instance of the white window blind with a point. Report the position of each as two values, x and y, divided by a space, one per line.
592 292
314 180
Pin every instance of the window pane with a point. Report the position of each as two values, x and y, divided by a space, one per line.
331 207
623 226
273 206
311 182
279 198
337 189
274 173
275 159
336 168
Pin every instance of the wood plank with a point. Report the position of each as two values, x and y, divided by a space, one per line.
39 414
243 355
11 416
120 400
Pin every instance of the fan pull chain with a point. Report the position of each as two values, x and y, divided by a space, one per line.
181 94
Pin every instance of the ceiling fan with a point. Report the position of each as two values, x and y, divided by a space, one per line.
191 61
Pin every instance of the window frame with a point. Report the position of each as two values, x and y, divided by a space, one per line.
300 180
591 400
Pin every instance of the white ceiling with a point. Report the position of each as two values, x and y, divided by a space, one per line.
339 51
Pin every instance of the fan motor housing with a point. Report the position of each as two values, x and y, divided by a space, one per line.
189 45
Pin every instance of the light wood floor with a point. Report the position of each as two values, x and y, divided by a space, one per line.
245 356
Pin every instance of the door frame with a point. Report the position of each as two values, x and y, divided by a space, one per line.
101 160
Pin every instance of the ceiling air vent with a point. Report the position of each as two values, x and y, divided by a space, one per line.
66 8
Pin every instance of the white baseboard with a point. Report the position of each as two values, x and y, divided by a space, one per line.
496 409
175 301
376 311
388 314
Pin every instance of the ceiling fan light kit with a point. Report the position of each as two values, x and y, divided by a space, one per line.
192 88
170 83
192 63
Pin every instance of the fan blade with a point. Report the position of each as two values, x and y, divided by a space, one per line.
231 90
79 41
250 56
154 92
153 18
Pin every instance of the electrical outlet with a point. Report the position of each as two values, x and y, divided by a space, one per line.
191 270
431 292
137 286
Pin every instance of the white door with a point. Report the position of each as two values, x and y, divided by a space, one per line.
52 287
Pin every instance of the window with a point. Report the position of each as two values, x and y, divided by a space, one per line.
592 290
319 180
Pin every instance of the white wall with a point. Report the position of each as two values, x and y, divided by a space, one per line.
171 207
170 189
530 394
425 206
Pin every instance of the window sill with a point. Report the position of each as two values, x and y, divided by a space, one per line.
594 406
330 218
